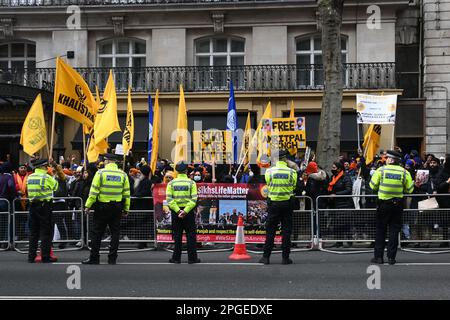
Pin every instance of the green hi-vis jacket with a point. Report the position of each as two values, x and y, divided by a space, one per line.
281 181
41 185
181 193
110 184
391 181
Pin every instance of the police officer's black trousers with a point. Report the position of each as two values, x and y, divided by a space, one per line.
279 211
188 225
41 226
389 213
106 214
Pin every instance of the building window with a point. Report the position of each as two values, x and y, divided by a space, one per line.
116 53
122 53
219 60
309 60
17 55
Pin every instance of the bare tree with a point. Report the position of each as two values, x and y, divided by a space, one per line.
328 146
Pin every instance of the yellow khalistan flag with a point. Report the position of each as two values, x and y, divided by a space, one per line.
95 150
263 147
34 134
292 114
106 121
181 140
246 149
155 134
371 142
73 97
128 133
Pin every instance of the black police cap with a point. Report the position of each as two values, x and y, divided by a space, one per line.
181 166
283 154
111 156
393 154
39 163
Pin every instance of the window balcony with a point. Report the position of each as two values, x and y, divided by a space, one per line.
215 79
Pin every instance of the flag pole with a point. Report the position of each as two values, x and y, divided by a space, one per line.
124 160
52 130
393 136
84 147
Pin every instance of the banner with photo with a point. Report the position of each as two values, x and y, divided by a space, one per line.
217 212
286 133
376 109
212 144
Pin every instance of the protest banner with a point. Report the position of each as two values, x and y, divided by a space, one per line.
376 109
285 133
217 212
213 144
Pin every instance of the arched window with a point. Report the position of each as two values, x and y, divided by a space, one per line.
218 59
309 60
115 53
17 55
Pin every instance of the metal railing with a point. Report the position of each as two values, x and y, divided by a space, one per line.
34 3
210 79
137 227
67 217
353 226
5 224
425 229
337 221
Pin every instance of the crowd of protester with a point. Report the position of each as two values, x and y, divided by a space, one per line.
75 181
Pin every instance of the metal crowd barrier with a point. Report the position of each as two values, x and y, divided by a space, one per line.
5 224
302 227
138 227
426 231
67 217
337 222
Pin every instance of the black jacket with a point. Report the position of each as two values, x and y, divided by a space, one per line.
342 187
315 186
443 187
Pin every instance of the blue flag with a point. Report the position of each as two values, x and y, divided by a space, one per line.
150 129
232 120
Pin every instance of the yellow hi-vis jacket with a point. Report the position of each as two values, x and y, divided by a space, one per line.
41 186
181 193
391 181
281 181
110 184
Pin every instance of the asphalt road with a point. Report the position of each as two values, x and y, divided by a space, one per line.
314 275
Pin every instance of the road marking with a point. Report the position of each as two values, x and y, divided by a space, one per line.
423 264
168 263
130 298
244 263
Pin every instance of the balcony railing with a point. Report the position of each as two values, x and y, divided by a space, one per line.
28 3
209 79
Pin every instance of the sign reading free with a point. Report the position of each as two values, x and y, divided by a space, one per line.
285 133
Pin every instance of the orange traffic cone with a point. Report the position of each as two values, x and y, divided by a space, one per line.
53 258
240 251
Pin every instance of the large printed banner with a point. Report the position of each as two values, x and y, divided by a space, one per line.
218 209
285 133
212 143
373 109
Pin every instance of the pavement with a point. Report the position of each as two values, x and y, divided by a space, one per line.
314 275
